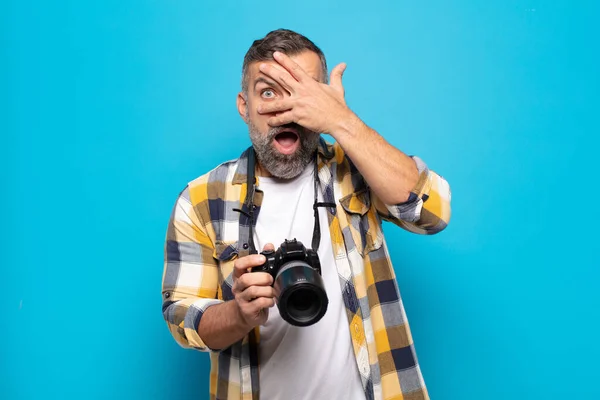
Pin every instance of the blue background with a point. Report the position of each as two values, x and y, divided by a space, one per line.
109 108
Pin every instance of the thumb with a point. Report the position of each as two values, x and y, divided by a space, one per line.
336 77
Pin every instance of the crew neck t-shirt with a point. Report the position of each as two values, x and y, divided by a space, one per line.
317 361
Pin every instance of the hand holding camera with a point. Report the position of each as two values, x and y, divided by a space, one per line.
292 275
297 282
253 292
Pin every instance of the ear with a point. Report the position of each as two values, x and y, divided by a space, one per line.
242 106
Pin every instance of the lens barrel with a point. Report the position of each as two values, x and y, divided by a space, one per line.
302 300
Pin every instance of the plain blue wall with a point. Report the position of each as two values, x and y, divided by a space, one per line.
108 108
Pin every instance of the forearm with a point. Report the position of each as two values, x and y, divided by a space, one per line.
390 173
222 325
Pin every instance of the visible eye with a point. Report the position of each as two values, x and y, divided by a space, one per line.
268 94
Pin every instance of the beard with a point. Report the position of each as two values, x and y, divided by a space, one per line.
283 166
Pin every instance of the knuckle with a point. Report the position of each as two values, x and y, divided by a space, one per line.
238 294
254 307
268 303
252 292
262 303
259 278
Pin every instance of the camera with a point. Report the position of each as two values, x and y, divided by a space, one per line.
296 272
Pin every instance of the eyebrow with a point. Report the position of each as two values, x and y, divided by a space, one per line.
266 81
271 83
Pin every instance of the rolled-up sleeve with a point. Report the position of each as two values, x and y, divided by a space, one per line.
427 210
190 277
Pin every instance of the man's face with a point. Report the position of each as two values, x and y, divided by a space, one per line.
283 151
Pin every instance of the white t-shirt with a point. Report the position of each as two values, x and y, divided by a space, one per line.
317 361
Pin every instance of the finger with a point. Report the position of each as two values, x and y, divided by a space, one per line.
264 317
241 265
280 75
284 118
253 279
336 77
255 308
290 65
253 293
275 106
259 311
263 303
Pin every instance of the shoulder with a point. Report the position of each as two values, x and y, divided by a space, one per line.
214 181
343 169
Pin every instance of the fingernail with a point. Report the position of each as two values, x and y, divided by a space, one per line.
276 54
262 66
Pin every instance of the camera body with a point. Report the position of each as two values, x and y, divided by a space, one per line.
296 272
289 250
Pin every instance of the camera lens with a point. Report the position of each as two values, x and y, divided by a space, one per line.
302 299
303 304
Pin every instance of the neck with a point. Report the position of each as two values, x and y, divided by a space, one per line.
260 171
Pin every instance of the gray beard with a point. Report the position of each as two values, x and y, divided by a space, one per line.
283 166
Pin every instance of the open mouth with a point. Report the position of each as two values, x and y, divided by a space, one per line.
287 141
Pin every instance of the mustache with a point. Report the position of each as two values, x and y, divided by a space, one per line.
292 125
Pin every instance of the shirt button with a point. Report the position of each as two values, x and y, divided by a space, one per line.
245 246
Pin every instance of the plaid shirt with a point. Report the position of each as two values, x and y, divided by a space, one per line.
205 236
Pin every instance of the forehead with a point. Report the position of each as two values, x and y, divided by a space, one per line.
307 60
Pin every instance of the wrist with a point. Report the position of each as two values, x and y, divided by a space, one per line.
346 125
241 325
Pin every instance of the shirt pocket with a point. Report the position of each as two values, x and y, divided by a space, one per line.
364 223
226 253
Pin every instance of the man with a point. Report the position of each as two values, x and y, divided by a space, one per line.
362 347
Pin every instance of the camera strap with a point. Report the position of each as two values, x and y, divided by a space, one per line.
316 239
249 203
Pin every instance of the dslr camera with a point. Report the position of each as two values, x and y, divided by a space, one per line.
297 281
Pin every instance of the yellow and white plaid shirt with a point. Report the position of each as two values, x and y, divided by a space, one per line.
205 236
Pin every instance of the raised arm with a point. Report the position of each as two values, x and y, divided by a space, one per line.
404 190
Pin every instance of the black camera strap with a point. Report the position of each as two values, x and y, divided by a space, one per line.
316 239
249 203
